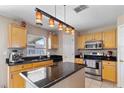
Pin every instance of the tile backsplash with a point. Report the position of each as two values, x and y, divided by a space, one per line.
104 51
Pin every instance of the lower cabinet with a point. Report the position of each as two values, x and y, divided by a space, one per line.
109 71
79 60
15 80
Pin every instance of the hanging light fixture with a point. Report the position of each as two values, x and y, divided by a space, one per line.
72 31
67 30
38 16
60 26
51 22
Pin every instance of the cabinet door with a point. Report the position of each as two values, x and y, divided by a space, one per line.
17 36
16 81
109 72
109 39
23 37
53 42
97 36
79 61
81 41
56 41
88 37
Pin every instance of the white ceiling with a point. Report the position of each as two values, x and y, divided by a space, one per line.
93 17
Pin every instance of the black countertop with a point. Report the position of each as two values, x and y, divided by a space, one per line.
27 61
47 76
111 58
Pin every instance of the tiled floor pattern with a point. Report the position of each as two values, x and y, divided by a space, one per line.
91 83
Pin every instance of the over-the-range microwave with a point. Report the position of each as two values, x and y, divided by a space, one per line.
94 44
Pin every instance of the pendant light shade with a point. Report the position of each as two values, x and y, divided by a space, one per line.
67 30
60 26
72 31
38 17
51 22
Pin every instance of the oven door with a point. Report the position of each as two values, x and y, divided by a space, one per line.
93 67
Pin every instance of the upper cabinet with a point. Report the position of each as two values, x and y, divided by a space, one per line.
17 36
81 41
53 41
88 37
109 39
97 36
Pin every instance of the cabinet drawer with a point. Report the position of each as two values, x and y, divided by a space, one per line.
79 61
20 67
44 63
27 66
15 68
109 63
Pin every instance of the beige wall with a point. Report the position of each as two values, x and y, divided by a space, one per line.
4 22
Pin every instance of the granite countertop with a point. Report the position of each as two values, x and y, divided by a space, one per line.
27 61
47 76
112 58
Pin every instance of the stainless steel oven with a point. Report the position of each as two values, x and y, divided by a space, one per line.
93 69
93 65
93 45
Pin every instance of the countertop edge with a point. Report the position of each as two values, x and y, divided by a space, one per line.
52 82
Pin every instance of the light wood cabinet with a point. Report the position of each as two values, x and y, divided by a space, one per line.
109 71
88 37
81 42
97 36
40 64
17 36
53 41
15 80
79 60
109 39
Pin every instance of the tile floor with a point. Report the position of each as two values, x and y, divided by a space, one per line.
91 83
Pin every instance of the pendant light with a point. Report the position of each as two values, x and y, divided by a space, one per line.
67 30
51 22
72 31
38 16
60 26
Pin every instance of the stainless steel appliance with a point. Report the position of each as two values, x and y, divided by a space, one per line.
93 65
94 44
15 56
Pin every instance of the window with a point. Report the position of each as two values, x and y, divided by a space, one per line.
37 47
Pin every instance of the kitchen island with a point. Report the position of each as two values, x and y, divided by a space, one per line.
61 75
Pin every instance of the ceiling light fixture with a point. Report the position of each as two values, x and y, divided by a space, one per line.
40 13
39 17
51 22
72 31
60 26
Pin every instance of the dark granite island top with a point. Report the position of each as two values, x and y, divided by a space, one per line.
48 76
